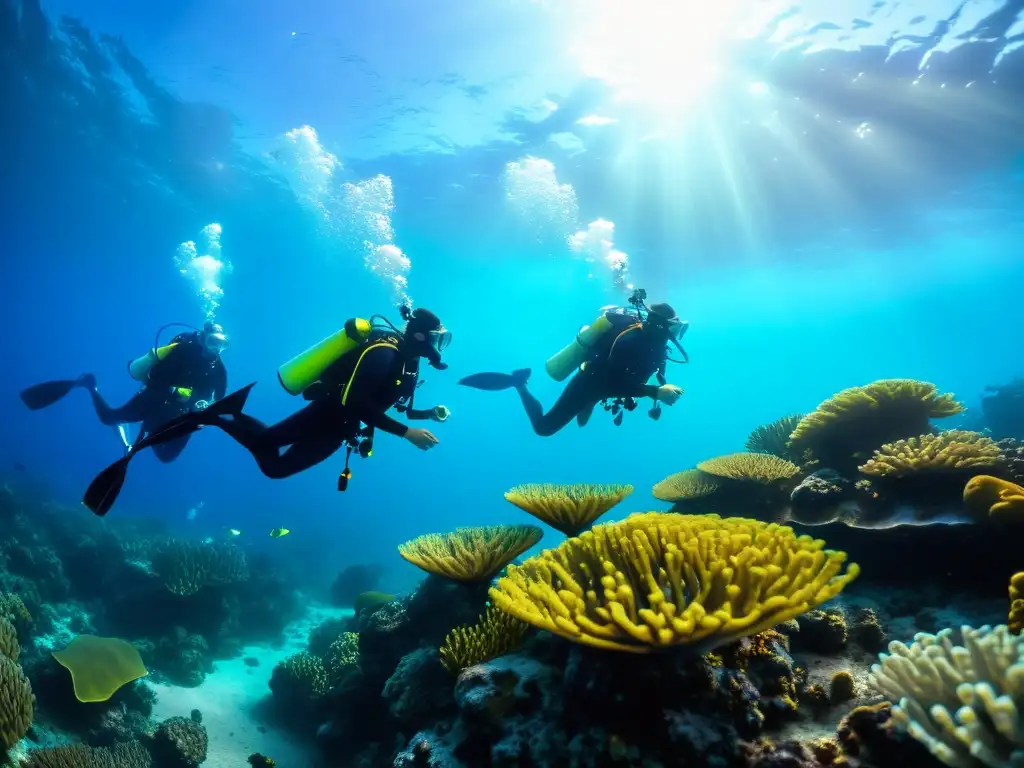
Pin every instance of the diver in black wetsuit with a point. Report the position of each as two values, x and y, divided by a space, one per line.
358 388
613 360
350 379
185 375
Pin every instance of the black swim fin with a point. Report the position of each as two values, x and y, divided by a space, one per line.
495 382
47 393
105 488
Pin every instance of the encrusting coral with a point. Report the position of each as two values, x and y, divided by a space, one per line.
987 496
100 665
685 486
774 438
957 692
567 508
470 554
763 468
656 580
1015 621
495 634
17 704
857 420
952 451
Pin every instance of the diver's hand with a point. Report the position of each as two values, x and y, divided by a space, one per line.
440 413
669 393
421 438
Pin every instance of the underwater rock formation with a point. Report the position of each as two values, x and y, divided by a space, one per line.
352 581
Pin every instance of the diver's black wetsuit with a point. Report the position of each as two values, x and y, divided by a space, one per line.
380 378
188 365
635 355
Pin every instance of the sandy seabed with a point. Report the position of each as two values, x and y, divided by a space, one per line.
234 702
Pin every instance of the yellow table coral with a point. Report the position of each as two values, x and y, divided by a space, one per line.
656 580
763 468
987 496
567 508
687 485
470 554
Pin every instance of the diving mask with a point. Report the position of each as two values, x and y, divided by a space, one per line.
214 339
439 339
677 328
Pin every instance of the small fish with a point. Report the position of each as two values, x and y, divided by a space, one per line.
234 532
277 533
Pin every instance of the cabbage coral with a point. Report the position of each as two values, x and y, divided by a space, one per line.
956 450
567 508
657 580
957 693
495 634
9 646
470 554
762 468
857 420
688 485
17 704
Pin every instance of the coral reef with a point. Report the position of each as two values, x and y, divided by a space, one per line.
353 581
17 703
470 554
763 468
570 509
954 450
688 485
774 438
986 496
858 420
180 743
186 567
956 693
495 634
1015 621
699 580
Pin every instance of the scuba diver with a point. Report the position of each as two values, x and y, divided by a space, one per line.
350 379
185 375
613 360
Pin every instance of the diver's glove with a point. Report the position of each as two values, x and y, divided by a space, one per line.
668 394
440 413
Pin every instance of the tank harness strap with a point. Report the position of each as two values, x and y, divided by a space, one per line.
355 369
622 333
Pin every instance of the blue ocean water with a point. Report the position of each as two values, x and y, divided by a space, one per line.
855 216
829 193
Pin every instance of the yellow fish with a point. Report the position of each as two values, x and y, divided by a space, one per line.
277 533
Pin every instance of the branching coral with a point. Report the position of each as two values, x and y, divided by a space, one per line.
17 704
858 420
301 675
180 741
567 508
9 646
125 755
987 496
660 579
685 486
495 634
342 654
470 554
955 450
774 438
1015 622
763 468
957 693
186 567
13 609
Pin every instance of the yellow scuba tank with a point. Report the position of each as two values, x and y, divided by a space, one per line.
563 363
140 367
306 367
